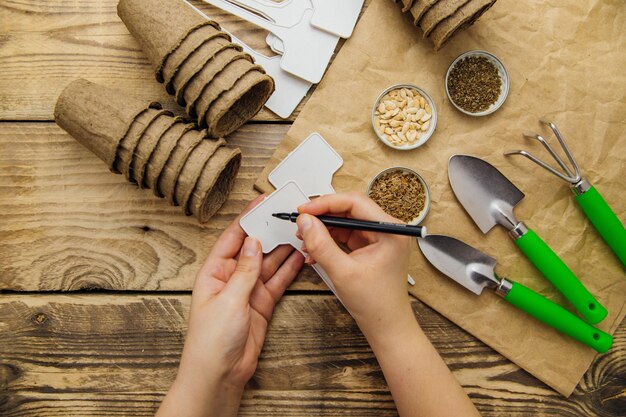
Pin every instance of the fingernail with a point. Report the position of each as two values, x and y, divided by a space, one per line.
250 247
305 223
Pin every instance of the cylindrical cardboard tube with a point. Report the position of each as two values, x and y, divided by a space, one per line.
98 117
193 168
215 183
239 104
162 153
160 26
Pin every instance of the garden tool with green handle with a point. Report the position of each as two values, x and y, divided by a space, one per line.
475 271
593 205
489 198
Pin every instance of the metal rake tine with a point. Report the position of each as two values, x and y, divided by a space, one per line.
541 139
561 140
538 162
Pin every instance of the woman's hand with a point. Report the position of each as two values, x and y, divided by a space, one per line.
371 279
371 282
232 303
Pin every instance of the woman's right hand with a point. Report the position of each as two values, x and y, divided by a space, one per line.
371 279
371 282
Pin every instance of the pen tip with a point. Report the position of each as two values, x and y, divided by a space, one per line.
275 215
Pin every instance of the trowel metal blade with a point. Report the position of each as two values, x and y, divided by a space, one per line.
487 195
468 266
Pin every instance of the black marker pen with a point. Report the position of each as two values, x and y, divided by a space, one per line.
365 225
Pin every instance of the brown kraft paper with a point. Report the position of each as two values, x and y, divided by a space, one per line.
565 61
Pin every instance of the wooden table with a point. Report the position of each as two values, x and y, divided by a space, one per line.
96 275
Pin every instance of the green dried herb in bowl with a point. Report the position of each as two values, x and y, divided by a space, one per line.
477 83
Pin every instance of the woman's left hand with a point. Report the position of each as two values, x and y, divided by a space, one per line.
233 300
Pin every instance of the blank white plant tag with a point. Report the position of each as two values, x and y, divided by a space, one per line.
307 50
336 16
289 91
311 165
272 232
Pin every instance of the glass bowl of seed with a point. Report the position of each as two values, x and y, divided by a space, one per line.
401 193
404 117
477 83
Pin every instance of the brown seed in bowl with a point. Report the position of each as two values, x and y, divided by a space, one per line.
400 194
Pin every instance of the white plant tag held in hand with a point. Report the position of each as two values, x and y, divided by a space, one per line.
272 232
311 165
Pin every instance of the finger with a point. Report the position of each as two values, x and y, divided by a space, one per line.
320 245
247 272
230 241
274 260
355 205
354 239
258 329
262 301
206 288
359 240
285 275
340 235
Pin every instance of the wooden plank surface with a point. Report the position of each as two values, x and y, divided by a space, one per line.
68 223
117 355
46 45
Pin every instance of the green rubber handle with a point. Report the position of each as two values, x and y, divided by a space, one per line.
555 270
556 316
605 221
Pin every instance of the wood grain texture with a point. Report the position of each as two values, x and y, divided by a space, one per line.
46 45
68 223
117 355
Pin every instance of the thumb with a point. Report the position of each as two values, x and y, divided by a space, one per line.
247 272
320 245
